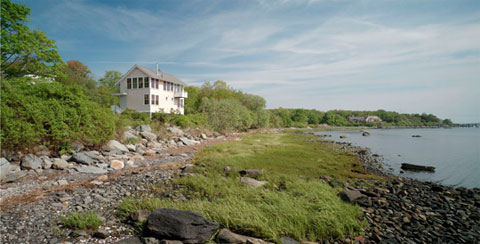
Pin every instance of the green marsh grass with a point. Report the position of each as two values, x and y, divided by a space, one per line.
294 203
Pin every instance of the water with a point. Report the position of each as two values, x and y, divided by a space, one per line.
455 153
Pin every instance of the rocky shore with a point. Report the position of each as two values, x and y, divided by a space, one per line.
404 210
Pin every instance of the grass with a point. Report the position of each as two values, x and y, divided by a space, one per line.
82 221
294 203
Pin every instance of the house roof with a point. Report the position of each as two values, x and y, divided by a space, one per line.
152 73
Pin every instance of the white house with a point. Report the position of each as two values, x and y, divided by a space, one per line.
146 90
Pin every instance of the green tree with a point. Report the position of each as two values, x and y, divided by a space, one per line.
192 102
25 51
110 78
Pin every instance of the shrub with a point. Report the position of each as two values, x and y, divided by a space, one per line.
53 114
82 221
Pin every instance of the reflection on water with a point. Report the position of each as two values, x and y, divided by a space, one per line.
455 153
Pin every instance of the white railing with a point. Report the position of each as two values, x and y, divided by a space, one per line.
183 94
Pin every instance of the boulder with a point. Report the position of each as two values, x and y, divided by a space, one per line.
252 182
365 133
203 136
351 196
46 162
82 158
343 137
114 145
101 234
187 141
148 135
31 161
131 147
288 240
4 168
129 134
12 176
175 131
59 163
90 169
144 128
183 225
116 164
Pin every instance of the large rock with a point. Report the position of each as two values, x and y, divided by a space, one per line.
252 182
114 145
90 169
82 158
148 135
351 196
186 226
46 162
13 176
59 163
4 168
175 131
225 236
187 141
144 128
116 164
129 134
31 161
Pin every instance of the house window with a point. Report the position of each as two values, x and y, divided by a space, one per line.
134 83
129 83
153 99
156 83
166 98
140 82
156 100
145 97
153 83
146 82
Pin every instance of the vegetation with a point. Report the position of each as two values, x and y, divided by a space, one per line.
40 112
294 203
88 220
25 51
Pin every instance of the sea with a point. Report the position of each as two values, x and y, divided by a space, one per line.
454 152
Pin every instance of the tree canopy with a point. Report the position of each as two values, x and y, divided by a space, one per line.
25 51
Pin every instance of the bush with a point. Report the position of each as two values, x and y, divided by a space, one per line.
227 115
82 221
53 114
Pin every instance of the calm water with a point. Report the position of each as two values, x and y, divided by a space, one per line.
454 152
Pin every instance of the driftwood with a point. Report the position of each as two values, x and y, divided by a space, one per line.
414 167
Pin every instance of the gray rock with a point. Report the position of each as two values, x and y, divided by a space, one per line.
225 236
59 163
4 168
148 135
186 226
175 130
187 141
170 242
13 176
31 161
78 233
113 145
131 240
46 162
62 182
288 240
252 182
365 133
131 147
82 158
203 136
144 128
351 196
90 169
129 134
151 240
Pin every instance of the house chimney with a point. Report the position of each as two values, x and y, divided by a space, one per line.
157 68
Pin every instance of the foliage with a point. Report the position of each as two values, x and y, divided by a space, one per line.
41 112
110 78
294 202
76 220
25 51
227 115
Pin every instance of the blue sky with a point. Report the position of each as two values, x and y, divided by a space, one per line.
407 56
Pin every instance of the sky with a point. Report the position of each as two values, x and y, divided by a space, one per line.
406 56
